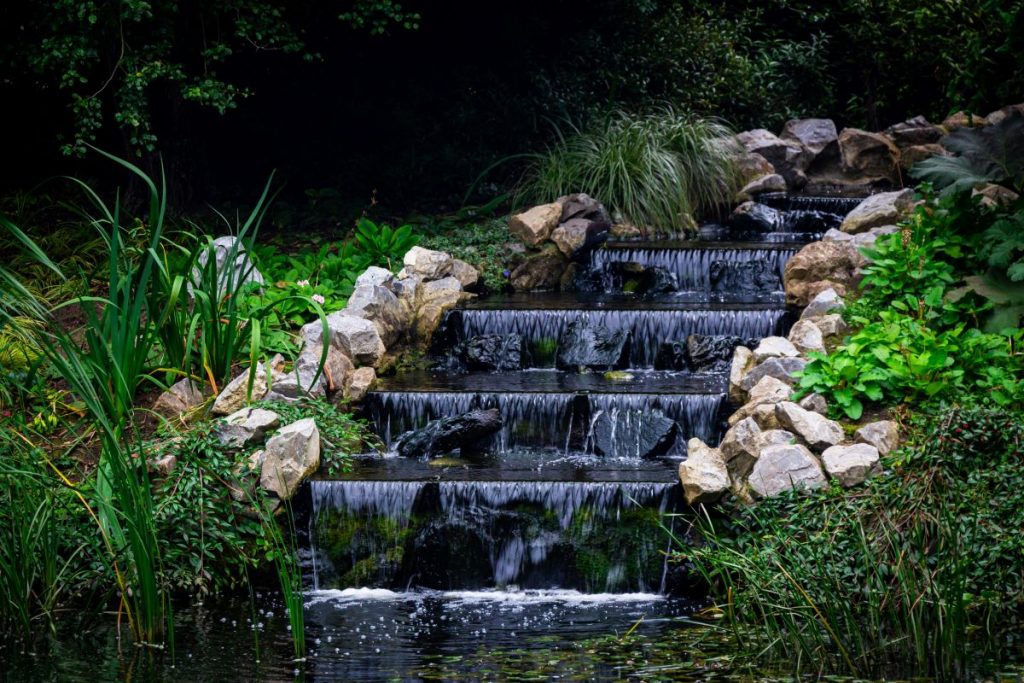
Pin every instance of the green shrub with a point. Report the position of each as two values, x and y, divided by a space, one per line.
659 170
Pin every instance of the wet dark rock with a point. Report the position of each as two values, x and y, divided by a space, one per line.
492 352
751 276
647 281
710 353
755 217
591 346
450 433
582 205
671 356
810 221
633 433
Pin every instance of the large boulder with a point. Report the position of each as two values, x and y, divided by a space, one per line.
869 155
820 266
633 433
806 336
583 345
741 447
785 467
962 119
884 435
290 456
767 392
912 155
357 338
577 236
427 263
246 427
703 474
380 306
436 298
375 276
580 205
774 347
240 271
535 225
831 326
817 431
451 433
467 275
306 378
742 361
851 465
540 271
781 369
180 397
884 208
753 216
752 166
914 132
492 352
706 353
358 384
789 159
1004 112
814 135
236 394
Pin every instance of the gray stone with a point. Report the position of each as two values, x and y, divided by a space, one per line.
815 135
780 368
827 300
769 183
815 403
306 378
785 467
181 397
914 132
703 474
375 276
380 306
357 338
819 266
740 447
359 384
577 236
774 347
806 336
869 155
831 325
240 271
742 361
851 465
246 427
817 431
884 208
236 393
884 435
467 275
768 391
290 456
789 159
535 225
164 466
633 433
427 263
774 437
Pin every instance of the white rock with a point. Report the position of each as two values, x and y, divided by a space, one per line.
236 393
359 383
380 306
241 270
427 263
357 338
826 301
774 347
375 276
884 208
884 435
768 391
290 456
740 447
806 336
851 465
181 397
831 325
815 403
742 361
703 474
815 430
246 427
781 369
785 467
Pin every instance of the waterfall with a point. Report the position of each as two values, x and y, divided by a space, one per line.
691 266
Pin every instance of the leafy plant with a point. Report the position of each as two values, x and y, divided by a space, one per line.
989 154
341 434
382 244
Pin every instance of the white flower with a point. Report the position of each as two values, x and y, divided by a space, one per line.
303 283
318 298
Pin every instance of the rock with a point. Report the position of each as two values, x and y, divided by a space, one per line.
962 119
633 433
998 115
774 347
164 466
764 415
703 474
806 336
884 208
375 277
583 345
651 281
781 369
814 403
246 427
774 437
181 397
306 378
740 447
492 352
912 155
236 393
814 135
290 456
768 391
869 155
747 276
427 264
540 271
769 183
831 326
582 205
705 353
577 236
820 266
535 225
914 132
823 302
742 361
380 306
788 159
993 195
467 275
755 217
626 231
817 431
450 433
359 384
884 435
357 338
435 300
785 467
241 270
407 291
752 166
851 465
